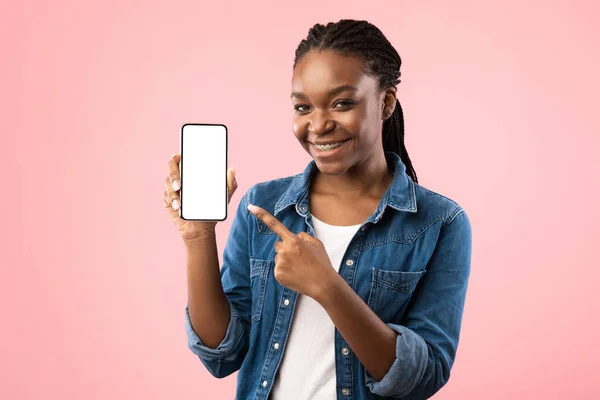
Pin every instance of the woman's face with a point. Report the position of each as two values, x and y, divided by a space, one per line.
336 102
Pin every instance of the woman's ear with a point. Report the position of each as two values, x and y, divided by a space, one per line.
388 103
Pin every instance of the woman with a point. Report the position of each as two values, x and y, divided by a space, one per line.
349 279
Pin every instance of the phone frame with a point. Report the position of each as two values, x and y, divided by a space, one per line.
181 170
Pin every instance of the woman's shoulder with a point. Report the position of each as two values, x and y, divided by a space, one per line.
276 185
266 194
436 205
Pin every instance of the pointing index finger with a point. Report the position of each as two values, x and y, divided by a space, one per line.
272 222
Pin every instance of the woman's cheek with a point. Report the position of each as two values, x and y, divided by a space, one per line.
298 127
352 121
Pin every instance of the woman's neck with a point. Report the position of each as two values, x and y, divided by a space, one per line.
369 178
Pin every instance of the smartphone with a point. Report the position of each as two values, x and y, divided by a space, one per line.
203 169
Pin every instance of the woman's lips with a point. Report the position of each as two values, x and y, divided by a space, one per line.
330 153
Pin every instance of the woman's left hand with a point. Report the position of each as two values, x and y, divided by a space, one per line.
301 263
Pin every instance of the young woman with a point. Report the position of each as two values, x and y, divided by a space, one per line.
346 281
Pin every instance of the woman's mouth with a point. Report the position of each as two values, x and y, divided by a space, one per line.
330 148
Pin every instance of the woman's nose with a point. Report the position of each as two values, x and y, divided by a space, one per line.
320 124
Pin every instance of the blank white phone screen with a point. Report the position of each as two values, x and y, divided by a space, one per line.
203 172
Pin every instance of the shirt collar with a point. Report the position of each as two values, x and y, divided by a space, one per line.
400 195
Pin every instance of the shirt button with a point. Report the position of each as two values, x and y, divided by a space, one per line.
349 262
276 345
265 384
345 391
302 208
286 302
345 351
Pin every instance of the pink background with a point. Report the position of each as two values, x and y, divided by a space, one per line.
501 114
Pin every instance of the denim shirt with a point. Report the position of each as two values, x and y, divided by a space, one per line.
409 262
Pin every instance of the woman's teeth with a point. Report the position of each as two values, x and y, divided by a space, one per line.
328 146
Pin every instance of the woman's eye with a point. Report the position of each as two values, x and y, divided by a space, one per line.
301 108
344 103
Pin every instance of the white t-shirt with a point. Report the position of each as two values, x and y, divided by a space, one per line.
307 369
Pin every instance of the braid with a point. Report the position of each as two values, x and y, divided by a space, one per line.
360 38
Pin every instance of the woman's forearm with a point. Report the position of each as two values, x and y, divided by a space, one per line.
207 304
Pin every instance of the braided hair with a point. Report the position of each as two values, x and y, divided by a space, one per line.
362 39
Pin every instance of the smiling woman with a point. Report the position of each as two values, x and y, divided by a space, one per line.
347 280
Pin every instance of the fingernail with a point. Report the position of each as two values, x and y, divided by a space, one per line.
175 205
176 185
232 170
173 156
252 208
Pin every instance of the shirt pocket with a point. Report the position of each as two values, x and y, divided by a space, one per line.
259 271
390 291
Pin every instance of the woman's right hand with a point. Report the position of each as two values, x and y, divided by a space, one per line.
189 230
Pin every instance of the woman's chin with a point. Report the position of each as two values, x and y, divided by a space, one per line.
331 168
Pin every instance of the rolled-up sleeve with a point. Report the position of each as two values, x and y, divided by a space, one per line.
429 332
229 355
411 355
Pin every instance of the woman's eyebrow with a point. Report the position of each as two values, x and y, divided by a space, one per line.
332 92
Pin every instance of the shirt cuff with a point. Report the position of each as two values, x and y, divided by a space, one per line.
408 367
229 347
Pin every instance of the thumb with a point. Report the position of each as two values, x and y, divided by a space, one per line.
231 183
